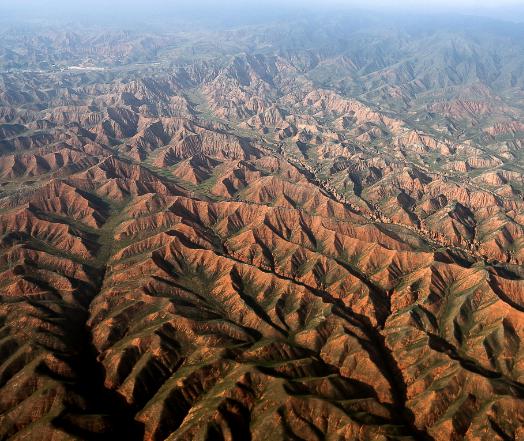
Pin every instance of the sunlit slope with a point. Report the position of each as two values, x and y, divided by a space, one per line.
280 243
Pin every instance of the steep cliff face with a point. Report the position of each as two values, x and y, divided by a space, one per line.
276 244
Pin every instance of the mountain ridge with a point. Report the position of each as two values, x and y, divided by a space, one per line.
262 240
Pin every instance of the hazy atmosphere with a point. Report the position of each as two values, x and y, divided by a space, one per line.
510 9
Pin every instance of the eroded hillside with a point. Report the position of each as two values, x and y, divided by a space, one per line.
301 243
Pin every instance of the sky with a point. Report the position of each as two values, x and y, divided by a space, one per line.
139 4
444 3
506 9
42 5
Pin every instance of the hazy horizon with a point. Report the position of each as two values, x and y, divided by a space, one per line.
512 10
